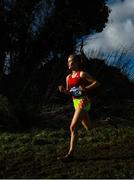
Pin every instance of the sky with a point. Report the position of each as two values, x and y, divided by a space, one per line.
116 38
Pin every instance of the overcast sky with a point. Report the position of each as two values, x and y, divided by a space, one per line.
118 34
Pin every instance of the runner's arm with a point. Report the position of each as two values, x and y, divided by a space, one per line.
62 89
92 82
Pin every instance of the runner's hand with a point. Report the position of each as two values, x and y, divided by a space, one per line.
82 89
61 88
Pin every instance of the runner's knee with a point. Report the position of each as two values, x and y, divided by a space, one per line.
73 128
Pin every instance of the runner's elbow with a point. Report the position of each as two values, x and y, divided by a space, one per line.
97 83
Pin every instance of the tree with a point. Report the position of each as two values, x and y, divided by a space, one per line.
72 19
26 88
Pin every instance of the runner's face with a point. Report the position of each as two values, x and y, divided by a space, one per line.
71 64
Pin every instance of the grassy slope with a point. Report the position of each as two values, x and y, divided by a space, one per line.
105 152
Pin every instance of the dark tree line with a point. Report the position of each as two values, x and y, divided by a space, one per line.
70 19
30 81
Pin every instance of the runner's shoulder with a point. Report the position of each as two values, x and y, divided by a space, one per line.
83 73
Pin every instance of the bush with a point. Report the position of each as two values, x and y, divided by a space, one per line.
8 119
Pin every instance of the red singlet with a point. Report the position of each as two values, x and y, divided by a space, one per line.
74 81
81 102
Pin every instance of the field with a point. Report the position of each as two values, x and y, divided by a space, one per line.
103 152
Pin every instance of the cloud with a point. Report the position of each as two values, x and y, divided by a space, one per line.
119 31
117 36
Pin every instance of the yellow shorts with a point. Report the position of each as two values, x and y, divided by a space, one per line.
82 103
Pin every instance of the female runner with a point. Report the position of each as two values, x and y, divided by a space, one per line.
78 83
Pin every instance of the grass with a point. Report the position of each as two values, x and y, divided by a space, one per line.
104 152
